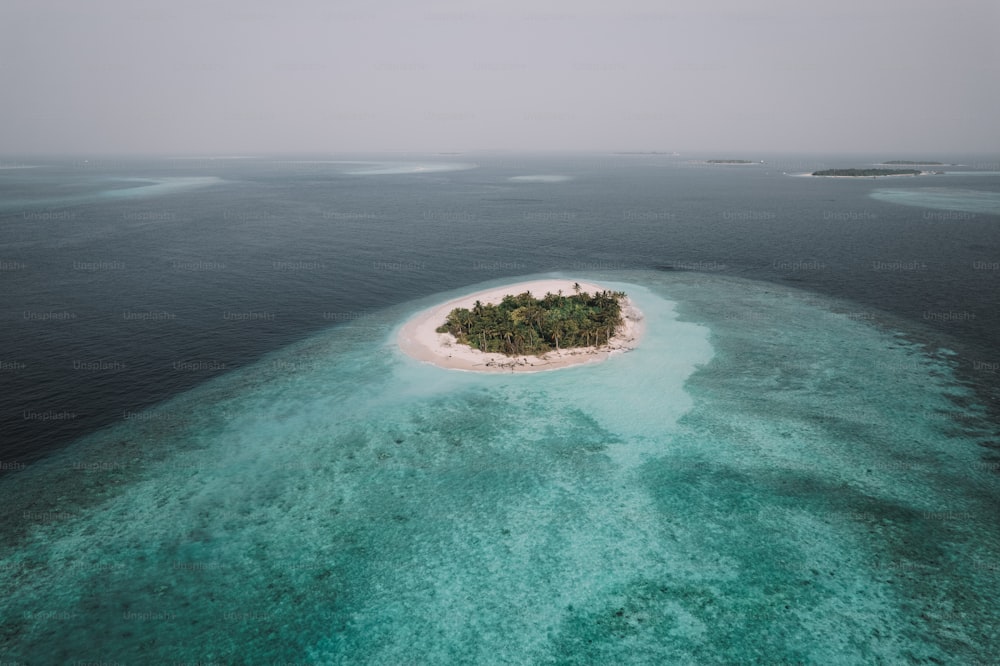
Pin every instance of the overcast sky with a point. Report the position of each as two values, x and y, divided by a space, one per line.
248 77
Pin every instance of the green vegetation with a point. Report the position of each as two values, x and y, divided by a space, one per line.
908 162
525 326
867 172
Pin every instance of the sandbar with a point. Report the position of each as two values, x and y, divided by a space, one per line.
419 338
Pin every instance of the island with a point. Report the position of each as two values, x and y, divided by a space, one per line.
856 173
510 330
909 163
521 325
731 162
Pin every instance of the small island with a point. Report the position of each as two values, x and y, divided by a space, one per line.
730 162
509 330
858 173
910 163
523 325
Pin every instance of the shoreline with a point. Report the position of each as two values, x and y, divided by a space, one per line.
419 339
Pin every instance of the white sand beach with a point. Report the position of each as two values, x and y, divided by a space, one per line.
419 338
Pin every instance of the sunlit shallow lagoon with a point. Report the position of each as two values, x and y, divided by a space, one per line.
113 189
943 198
767 479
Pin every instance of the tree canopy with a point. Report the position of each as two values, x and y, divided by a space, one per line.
522 325
867 172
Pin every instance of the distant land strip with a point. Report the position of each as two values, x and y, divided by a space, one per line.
867 172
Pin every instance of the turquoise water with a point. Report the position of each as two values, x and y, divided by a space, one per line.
767 479
943 198
120 189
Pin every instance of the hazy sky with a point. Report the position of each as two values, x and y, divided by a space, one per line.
247 77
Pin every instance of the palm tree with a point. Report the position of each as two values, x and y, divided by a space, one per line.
506 330
555 326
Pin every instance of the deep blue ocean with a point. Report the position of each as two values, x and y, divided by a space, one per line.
212 451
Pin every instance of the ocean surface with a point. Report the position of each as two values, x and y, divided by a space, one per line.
213 452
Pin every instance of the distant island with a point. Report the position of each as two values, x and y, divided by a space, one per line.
867 172
730 162
522 325
909 163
